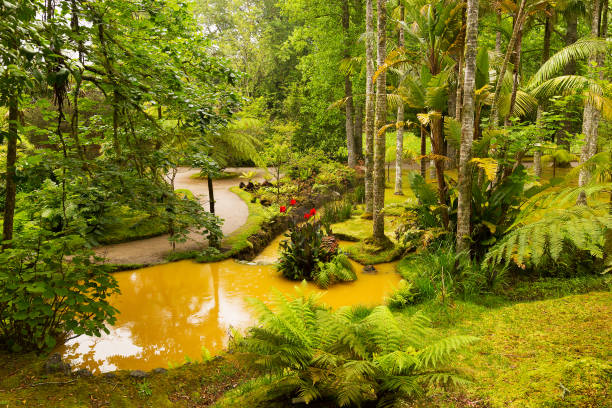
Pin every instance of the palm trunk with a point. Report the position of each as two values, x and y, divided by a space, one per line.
378 230
423 153
464 184
502 72
399 143
11 160
591 115
369 108
437 145
348 89
498 36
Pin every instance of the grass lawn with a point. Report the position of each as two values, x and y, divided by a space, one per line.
550 353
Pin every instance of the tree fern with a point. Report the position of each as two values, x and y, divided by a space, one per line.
344 358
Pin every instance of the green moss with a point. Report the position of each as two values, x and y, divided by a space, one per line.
366 254
131 225
23 383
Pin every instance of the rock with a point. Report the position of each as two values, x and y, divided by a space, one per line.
110 375
369 269
83 372
159 370
138 374
55 364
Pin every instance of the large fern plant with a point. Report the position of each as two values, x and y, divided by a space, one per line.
348 357
550 224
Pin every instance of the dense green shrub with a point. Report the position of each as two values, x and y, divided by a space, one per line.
349 357
405 294
338 269
50 287
336 211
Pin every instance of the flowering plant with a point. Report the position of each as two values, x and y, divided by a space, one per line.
308 250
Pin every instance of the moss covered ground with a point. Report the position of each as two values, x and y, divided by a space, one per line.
23 383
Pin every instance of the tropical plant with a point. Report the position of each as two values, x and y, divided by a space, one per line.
337 269
348 357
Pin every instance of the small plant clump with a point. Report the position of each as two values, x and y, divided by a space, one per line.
311 252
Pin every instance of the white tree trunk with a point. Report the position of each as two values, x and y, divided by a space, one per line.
378 230
399 143
464 211
369 108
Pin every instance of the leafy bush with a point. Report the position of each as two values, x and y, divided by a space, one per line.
339 269
404 295
347 357
49 286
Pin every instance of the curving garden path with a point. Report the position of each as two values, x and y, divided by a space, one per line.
228 206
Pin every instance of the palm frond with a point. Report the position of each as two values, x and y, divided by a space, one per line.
581 49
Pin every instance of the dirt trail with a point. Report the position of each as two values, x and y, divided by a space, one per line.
228 206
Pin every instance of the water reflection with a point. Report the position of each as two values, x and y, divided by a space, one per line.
170 311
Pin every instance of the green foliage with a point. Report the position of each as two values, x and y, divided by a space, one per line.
338 269
144 389
50 287
549 225
336 211
404 295
348 357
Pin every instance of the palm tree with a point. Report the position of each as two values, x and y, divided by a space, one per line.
399 145
378 231
369 108
467 128
348 88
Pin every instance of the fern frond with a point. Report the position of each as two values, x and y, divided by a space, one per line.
439 352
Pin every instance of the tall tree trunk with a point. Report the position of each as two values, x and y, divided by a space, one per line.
423 152
437 147
399 142
502 72
498 34
348 88
516 77
591 115
11 160
537 155
369 108
381 118
464 184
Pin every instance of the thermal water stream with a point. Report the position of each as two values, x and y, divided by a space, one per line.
171 311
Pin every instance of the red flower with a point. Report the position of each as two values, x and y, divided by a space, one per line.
283 209
307 216
313 211
292 202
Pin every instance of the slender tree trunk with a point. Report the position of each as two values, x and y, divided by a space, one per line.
358 130
591 115
502 72
423 152
537 155
516 77
381 119
498 35
211 194
348 88
399 143
11 160
571 36
369 108
464 184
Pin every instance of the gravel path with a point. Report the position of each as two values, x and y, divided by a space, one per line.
228 206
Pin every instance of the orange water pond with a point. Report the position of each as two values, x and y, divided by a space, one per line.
171 311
